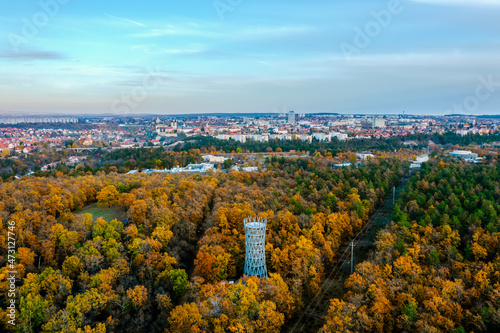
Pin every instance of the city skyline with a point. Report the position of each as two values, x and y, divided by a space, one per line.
159 57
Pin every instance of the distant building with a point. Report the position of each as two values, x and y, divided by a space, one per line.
72 160
343 165
343 122
339 136
249 169
467 156
156 142
214 159
127 144
303 137
191 168
417 164
34 120
244 169
194 168
167 131
378 123
88 141
365 156
411 143
259 138
291 117
240 138
321 137
281 135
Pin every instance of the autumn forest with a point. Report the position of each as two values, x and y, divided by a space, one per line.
173 261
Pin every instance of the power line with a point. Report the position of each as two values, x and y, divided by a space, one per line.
336 270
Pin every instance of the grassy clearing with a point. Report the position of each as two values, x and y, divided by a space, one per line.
107 214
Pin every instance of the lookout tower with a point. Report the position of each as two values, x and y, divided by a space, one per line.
255 241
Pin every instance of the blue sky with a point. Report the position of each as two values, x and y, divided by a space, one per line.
171 56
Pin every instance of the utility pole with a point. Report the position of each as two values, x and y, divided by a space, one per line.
352 257
394 195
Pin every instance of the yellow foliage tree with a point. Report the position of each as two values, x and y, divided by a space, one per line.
108 196
186 318
138 296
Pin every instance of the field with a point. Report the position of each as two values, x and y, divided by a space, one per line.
107 214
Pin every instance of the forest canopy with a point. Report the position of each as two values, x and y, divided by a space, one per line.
167 266
165 252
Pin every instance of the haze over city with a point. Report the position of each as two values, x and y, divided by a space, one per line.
167 57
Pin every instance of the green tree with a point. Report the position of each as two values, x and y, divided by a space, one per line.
180 280
228 163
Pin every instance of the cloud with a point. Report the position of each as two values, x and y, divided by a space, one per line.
265 63
126 20
32 55
183 51
273 32
173 30
210 31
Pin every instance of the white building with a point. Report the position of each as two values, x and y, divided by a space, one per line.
417 164
303 137
280 137
291 117
245 169
237 137
259 137
339 136
364 156
465 154
321 136
343 165
343 122
214 159
194 168
378 123
241 138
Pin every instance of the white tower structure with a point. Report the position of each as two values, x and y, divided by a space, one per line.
255 240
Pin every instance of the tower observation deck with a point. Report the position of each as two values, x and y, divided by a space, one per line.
255 240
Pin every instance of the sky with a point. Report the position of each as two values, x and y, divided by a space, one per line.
206 56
